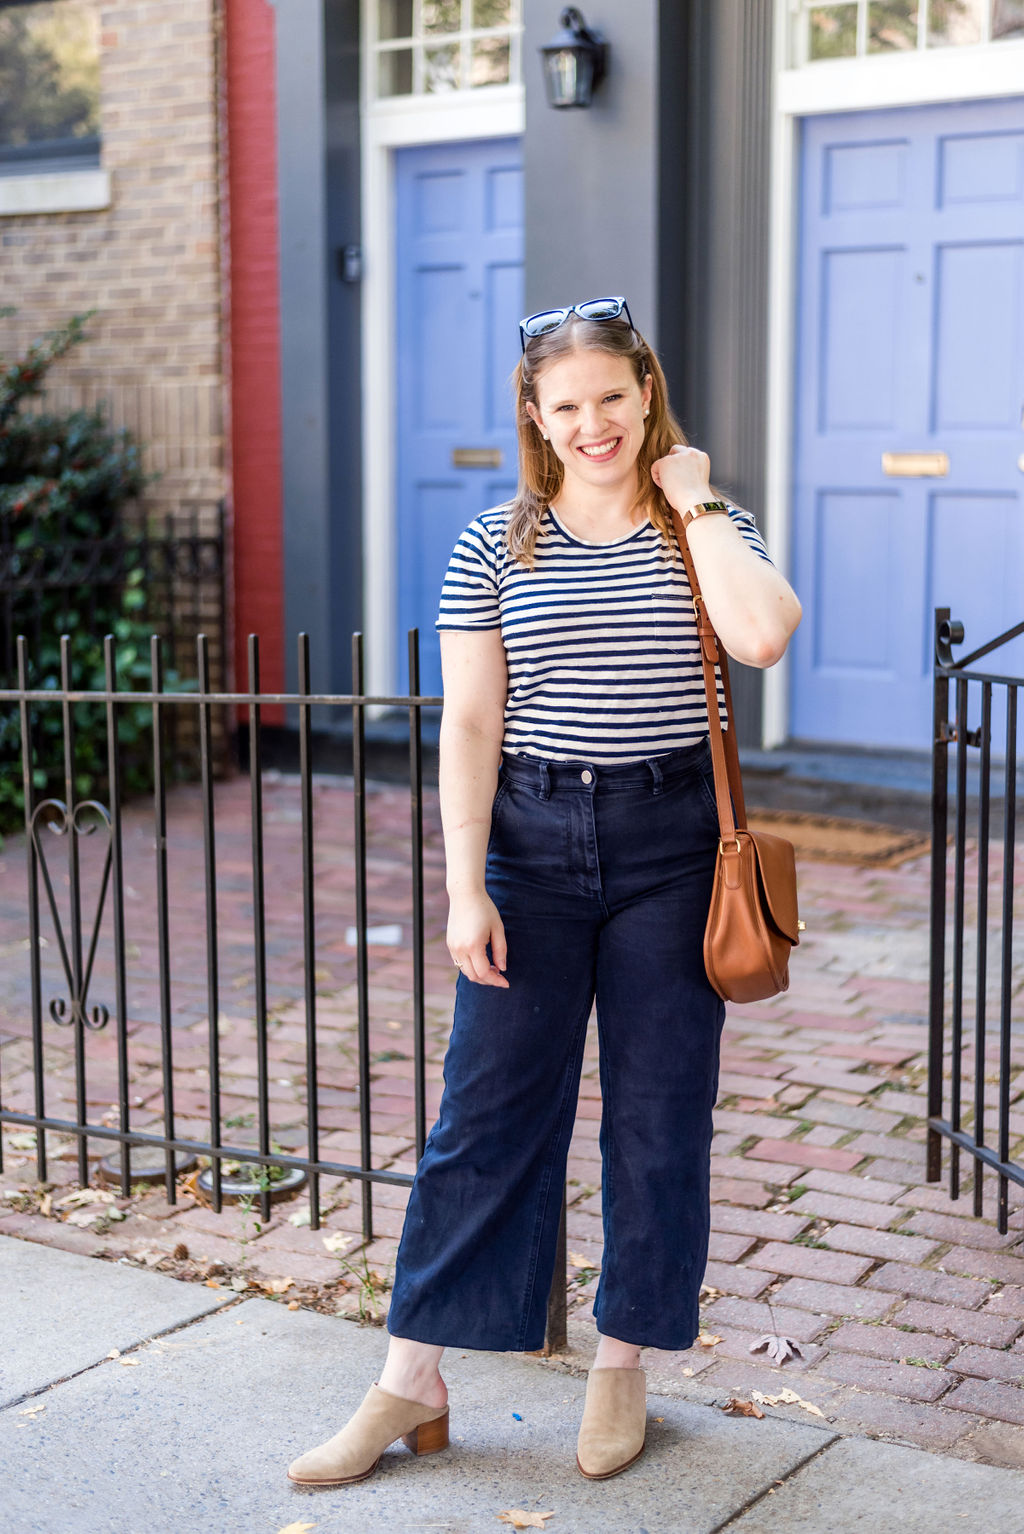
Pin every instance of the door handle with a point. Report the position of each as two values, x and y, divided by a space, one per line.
916 465
476 458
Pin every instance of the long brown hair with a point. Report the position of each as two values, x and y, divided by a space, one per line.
541 470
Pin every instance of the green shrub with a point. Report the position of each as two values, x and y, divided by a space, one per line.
66 481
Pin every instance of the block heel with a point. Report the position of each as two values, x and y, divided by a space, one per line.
429 1437
355 1452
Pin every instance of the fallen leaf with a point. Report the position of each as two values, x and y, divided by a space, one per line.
129 1363
297 1528
32 1411
85 1196
520 1519
299 1218
277 1285
687 1371
338 1242
46 1204
180 1252
22 1142
735 1407
708 1339
294 1305
659 1419
213 1283
577 1260
787 1397
777 1346
239 1284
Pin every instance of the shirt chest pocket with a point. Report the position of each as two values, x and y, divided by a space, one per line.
672 612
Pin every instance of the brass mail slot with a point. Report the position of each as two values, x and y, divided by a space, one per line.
916 465
476 458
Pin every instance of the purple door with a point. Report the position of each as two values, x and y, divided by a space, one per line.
909 448
459 263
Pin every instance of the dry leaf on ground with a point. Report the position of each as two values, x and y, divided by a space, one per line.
708 1339
276 1285
578 1260
735 1407
338 1241
85 1196
297 1528
787 1397
777 1346
300 1217
520 1519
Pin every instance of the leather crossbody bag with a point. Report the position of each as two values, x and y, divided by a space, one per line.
753 924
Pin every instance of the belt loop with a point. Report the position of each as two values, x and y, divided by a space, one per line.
544 780
656 774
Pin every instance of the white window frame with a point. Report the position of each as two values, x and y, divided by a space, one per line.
390 123
971 73
419 39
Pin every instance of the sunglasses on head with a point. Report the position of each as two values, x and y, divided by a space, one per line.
593 309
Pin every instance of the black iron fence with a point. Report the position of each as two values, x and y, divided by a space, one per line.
84 924
976 978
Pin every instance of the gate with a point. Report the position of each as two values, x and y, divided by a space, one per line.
88 919
976 978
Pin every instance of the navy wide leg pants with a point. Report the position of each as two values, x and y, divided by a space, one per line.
603 877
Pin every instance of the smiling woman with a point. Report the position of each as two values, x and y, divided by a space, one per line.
580 832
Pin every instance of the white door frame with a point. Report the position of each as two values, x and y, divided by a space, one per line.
386 126
841 85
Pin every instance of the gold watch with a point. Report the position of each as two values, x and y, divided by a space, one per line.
705 509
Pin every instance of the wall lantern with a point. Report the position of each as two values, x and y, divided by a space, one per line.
574 61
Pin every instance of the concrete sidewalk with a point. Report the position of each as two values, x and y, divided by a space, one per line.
135 1403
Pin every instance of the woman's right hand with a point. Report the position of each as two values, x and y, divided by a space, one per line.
473 923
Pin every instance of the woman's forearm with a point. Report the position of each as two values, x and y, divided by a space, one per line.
752 606
468 775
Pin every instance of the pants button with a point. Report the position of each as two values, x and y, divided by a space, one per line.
586 776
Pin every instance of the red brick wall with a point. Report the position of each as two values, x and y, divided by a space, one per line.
254 318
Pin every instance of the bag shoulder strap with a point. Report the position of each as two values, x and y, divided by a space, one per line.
732 812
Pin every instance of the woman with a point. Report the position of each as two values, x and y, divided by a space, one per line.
580 832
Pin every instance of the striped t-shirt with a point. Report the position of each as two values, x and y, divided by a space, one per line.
601 640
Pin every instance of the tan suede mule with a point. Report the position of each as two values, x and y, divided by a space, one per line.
614 1422
354 1453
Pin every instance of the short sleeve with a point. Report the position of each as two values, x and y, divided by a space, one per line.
748 529
469 595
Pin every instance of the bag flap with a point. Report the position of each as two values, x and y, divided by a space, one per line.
776 863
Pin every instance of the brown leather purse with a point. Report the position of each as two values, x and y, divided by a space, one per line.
753 923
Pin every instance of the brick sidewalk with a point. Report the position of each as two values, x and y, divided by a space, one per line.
908 1310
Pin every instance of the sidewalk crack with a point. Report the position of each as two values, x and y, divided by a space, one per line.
760 1496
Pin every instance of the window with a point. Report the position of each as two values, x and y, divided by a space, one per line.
840 29
425 47
49 86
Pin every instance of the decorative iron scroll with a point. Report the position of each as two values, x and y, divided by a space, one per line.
54 815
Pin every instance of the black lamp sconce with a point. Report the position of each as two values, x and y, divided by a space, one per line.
574 61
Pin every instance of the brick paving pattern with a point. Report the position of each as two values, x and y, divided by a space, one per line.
908 1310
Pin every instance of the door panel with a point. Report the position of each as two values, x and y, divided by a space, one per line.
459 258
911 339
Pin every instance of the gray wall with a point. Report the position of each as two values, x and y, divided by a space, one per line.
318 201
591 178
660 191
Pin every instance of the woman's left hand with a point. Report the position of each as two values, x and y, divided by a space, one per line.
683 476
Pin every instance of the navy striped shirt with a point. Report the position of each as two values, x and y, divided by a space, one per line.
601 639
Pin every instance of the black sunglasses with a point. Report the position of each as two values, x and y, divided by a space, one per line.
592 309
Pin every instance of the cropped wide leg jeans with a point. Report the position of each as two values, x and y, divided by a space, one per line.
602 876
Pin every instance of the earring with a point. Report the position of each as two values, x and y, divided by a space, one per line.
647 412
